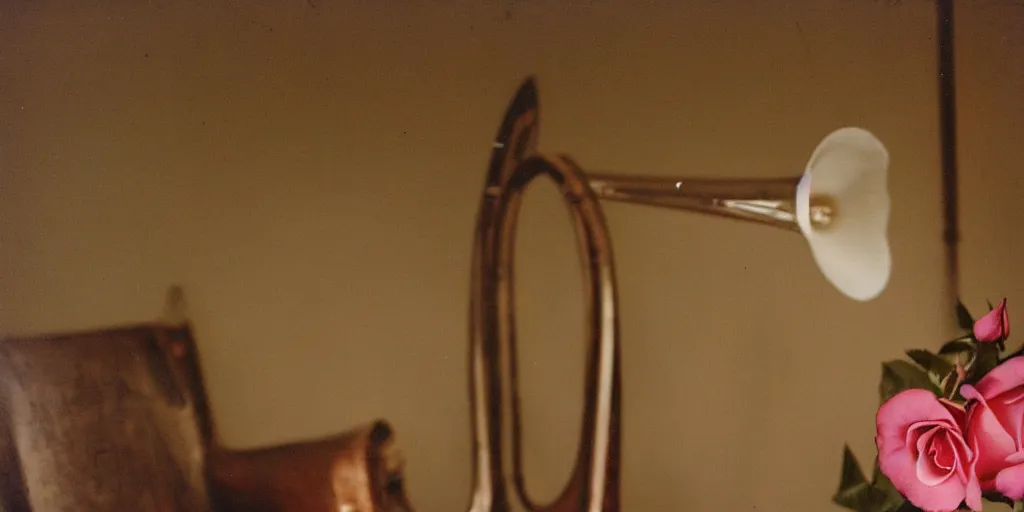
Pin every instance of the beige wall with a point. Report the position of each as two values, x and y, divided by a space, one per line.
309 171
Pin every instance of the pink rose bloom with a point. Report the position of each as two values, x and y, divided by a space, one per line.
921 448
994 326
995 426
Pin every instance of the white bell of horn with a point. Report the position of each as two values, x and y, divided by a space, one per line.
840 204
850 167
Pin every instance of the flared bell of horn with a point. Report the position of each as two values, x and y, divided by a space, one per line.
849 168
840 204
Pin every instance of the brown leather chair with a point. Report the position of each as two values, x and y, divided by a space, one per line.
117 420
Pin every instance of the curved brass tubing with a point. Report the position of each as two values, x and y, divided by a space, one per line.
498 476
787 203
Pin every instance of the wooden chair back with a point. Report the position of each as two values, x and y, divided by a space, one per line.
105 420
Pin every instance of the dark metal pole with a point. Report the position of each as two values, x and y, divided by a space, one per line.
947 127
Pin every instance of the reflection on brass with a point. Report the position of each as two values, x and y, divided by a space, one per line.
355 471
117 420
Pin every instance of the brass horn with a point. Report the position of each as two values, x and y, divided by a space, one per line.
839 203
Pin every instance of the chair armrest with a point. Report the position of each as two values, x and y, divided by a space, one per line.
356 471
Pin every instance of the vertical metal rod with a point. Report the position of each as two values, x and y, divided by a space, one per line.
947 127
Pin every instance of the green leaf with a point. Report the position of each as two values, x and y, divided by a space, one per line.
893 498
997 498
855 493
899 375
986 358
957 346
949 386
963 317
931 363
852 475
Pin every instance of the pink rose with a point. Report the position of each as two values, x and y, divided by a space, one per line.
995 426
921 448
994 326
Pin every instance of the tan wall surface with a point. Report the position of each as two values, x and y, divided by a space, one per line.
309 171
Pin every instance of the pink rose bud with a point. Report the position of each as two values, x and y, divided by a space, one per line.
995 326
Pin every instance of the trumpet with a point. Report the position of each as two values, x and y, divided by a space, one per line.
839 203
